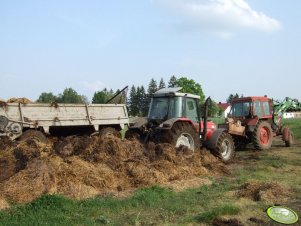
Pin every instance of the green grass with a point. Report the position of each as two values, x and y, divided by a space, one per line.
146 206
217 212
217 120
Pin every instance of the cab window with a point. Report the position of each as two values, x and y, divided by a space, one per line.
266 108
175 107
257 108
191 110
240 109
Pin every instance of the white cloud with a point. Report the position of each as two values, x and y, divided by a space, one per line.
93 86
222 17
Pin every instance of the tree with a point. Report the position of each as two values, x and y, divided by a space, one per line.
47 98
220 111
70 96
133 102
120 98
162 84
190 86
100 97
142 101
84 99
152 87
233 96
172 82
214 109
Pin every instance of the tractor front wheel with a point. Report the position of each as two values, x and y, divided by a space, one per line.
288 137
263 136
182 134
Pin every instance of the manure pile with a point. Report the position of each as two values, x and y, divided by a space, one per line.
269 192
22 100
83 167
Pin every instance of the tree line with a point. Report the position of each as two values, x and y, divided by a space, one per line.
69 95
139 97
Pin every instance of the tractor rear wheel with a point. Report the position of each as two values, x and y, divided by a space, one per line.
109 132
225 148
263 136
35 135
182 134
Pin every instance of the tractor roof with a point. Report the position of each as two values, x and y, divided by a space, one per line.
253 98
174 92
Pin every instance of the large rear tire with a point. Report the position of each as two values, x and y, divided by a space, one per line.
182 134
225 148
33 135
263 136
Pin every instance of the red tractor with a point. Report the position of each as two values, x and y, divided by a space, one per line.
257 120
175 118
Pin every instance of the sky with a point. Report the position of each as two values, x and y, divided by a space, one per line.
250 47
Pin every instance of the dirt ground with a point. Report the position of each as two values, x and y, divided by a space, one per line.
84 167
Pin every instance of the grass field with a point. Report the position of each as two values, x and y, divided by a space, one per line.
197 206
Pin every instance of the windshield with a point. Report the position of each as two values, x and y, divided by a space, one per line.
165 108
240 109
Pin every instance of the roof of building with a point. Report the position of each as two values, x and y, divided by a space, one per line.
224 106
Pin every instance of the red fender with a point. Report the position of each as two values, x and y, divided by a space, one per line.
211 126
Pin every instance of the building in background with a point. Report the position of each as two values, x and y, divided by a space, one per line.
296 114
226 107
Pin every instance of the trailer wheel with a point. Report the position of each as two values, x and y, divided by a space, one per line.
33 135
182 134
225 148
109 132
288 137
263 136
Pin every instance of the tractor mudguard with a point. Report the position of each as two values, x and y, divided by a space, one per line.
168 124
252 122
221 144
138 123
212 142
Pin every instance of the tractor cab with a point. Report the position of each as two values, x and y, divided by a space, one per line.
168 103
251 107
245 114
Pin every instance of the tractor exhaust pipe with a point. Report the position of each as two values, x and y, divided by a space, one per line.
206 106
118 92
